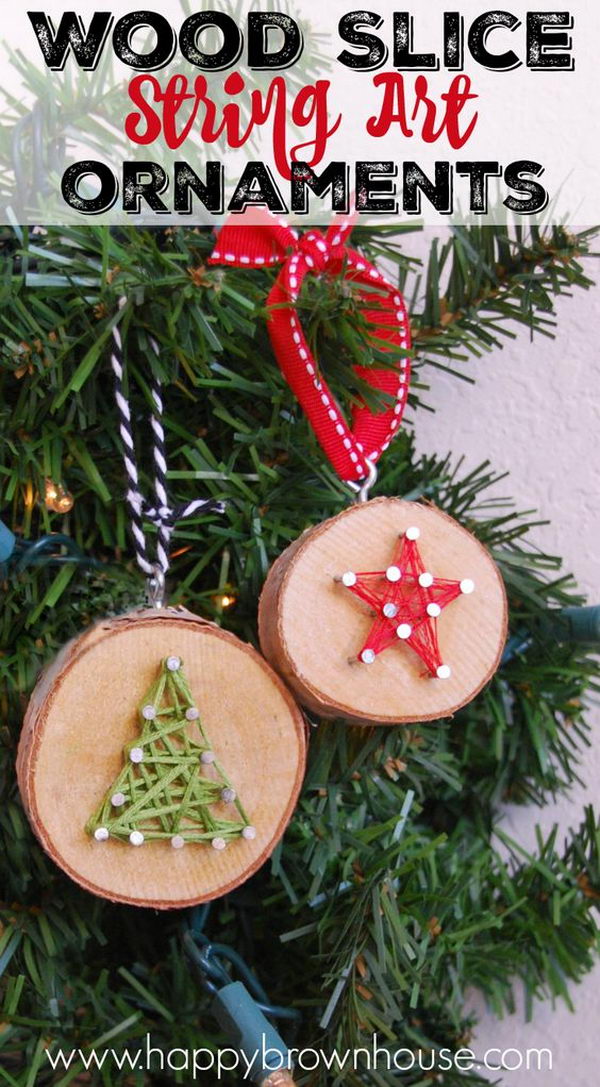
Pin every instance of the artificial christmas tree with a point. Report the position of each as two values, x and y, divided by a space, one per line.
388 898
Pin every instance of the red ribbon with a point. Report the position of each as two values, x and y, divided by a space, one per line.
351 450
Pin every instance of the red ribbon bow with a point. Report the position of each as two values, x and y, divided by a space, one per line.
351 450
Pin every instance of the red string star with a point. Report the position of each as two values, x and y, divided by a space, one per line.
407 601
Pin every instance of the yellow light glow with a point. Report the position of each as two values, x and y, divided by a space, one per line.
224 600
65 503
57 498
50 494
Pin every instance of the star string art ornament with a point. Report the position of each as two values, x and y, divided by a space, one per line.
303 619
171 781
406 600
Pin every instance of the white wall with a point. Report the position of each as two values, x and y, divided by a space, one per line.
535 411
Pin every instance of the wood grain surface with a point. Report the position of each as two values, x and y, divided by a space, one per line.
310 626
84 710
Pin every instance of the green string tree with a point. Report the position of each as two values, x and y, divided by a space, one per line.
163 791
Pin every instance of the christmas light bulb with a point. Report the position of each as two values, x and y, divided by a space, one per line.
225 600
50 494
57 498
64 503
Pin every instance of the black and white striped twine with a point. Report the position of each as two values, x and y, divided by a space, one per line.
161 514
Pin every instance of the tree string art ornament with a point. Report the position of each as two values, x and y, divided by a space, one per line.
171 787
120 780
391 611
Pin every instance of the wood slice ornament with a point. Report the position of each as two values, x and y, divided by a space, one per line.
390 612
349 613
164 804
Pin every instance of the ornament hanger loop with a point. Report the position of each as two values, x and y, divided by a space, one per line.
362 488
156 588
161 514
348 444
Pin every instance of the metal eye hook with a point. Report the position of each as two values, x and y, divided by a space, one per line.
363 488
155 589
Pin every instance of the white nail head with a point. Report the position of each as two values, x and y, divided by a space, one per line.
117 800
219 843
444 671
173 664
434 610
136 754
192 713
425 580
349 579
404 630
467 586
177 841
149 712
228 796
367 656
249 833
412 533
390 610
136 837
207 757
101 834
393 573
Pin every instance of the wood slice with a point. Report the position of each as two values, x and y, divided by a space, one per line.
84 711
310 626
